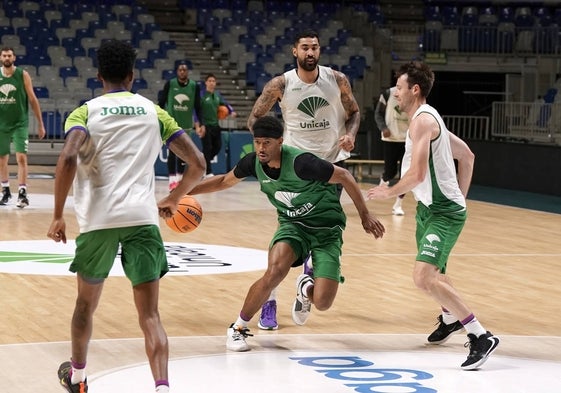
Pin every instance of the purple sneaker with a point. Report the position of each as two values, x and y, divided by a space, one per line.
268 318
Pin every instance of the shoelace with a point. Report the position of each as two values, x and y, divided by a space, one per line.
269 311
241 332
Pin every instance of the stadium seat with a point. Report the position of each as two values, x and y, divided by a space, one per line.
41 91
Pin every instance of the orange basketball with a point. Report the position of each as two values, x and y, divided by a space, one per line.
222 112
187 217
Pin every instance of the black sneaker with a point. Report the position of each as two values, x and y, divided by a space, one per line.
22 199
6 195
479 350
66 382
444 331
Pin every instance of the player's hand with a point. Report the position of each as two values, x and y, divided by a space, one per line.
57 230
347 143
201 131
386 133
373 226
378 192
41 132
167 207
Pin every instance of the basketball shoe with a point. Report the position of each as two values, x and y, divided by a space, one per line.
268 318
235 339
6 195
22 198
443 332
66 382
397 210
302 304
479 350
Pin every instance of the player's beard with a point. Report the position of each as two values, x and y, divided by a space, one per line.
308 66
8 63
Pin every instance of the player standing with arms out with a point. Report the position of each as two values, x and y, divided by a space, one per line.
111 144
428 171
320 116
16 90
181 98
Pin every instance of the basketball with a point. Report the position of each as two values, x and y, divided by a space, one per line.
187 217
222 112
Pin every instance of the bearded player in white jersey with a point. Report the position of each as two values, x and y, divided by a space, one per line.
320 115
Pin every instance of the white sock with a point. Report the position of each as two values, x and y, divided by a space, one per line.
172 179
474 327
273 295
78 375
162 389
398 201
387 183
5 184
240 323
448 317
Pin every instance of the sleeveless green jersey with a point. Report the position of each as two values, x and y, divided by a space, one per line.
310 203
13 100
180 102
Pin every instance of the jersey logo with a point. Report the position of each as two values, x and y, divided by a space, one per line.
432 238
181 98
311 105
7 89
285 197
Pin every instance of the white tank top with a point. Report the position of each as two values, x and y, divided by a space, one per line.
439 190
313 115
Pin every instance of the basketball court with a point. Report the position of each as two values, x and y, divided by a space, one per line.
506 264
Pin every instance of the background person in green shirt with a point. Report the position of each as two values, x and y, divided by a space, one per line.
181 98
210 131
17 93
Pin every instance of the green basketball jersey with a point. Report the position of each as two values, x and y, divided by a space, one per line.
181 102
13 100
310 203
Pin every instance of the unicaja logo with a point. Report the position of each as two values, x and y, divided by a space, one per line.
6 90
311 105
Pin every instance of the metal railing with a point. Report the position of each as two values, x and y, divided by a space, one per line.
527 121
468 127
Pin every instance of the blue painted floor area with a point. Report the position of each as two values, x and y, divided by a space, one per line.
523 199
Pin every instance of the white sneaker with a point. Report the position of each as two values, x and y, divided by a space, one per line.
235 339
208 175
302 305
397 210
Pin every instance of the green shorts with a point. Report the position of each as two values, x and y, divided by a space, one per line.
436 234
325 245
143 255
18 134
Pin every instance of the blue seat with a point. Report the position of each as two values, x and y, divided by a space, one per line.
351 73
168 74
252 71
93 83
40 59
523 18
167 45
505 14
53 124
260 83
143 63
359 63
65 72
75 51
139 83
41 91
154 54
263 58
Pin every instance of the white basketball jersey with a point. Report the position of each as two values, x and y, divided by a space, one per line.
439 190
114 185
313 115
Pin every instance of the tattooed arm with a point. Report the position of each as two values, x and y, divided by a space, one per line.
272 92
347 142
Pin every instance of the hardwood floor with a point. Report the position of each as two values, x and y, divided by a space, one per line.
507 265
